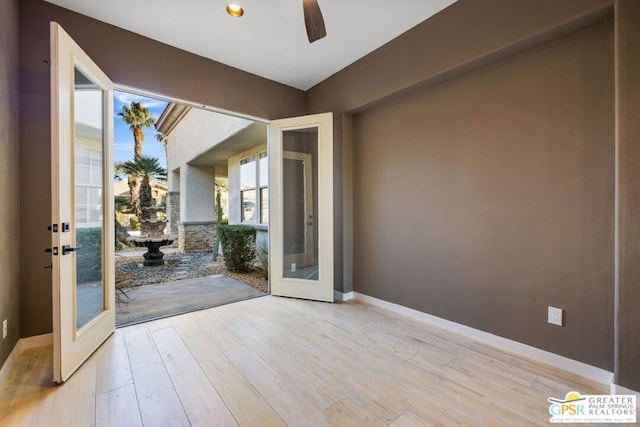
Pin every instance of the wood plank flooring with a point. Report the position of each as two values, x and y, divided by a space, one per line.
276 361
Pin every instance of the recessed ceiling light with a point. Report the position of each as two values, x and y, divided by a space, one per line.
235 10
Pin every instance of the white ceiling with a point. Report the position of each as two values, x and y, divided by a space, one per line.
270 39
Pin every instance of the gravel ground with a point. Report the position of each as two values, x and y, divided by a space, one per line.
253 278
130 272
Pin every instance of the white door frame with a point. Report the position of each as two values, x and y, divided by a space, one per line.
72 346
321 289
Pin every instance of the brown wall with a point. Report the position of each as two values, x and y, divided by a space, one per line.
528 150
9 178
130 60
628 115
460 37
469 35
487 198
138 62
432 52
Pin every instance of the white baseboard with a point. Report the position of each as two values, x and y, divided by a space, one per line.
618 389
339 296
579 368
23 344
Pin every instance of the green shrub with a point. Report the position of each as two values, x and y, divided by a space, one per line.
89 254
263 258
238 246
121 218
122 204
134 222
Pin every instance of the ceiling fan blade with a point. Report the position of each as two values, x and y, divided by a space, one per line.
313 20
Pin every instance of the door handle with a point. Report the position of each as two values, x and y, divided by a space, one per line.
53 250
67 249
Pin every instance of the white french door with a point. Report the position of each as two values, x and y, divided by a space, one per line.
82 205
301 210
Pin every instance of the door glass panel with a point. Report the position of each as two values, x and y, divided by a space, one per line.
300 203
89 202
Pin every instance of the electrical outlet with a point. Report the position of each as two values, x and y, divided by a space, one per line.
4 329
555 316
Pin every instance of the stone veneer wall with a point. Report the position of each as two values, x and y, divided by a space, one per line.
173 212
196 236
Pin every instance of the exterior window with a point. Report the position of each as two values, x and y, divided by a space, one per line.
88 186
254 189
264 188
248 199
248 189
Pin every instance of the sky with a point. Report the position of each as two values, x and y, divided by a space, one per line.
123 137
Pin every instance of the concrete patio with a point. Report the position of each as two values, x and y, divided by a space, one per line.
157 300
160 300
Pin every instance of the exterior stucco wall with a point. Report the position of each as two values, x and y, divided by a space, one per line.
234 189
197 193
198 131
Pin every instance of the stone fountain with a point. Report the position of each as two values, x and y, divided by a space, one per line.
153 237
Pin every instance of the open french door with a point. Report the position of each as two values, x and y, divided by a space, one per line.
301 209
82 205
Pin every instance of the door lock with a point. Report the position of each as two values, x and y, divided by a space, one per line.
66 249
53 250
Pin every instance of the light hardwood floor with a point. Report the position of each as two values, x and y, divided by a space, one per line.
276 361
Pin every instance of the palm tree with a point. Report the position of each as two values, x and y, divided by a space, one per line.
161 137
145 169
137 116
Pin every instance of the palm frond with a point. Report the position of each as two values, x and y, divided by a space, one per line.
136 115
145 167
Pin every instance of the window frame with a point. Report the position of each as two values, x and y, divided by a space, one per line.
255 155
